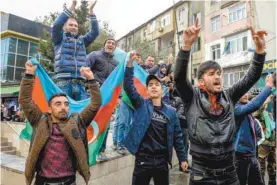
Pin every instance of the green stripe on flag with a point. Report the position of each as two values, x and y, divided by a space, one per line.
26 133
93 149
126 99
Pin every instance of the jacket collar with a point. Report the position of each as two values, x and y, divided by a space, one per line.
106 54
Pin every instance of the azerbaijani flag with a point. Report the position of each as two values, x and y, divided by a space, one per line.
44 88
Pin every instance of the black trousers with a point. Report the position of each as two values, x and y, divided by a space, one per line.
147 167
248 170
201 175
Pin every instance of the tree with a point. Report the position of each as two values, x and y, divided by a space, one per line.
144 47
81 14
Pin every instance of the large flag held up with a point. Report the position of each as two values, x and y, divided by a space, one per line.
44 88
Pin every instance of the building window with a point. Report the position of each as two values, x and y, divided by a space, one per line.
33 49
237 13
10 59
152 26
196 45
3 45
226 80
22 47
21 60
229 79
129 43
215 52
197 15
12 44
19 72
237 43
165 20
144 32
181 14
213 2
215 23
14 54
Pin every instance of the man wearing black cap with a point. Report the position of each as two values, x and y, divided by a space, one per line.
154 131
101 62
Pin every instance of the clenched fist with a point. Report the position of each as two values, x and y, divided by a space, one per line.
30 68
86 72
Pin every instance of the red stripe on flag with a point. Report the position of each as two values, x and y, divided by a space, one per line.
141 88
38 95
103 116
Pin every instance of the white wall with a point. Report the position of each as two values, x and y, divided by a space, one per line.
266 19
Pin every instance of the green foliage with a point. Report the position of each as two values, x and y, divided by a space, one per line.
144 48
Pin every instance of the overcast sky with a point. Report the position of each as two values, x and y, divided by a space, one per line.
122 15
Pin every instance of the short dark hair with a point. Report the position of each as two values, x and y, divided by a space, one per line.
274 79
56 95
150 56
110 39
210 64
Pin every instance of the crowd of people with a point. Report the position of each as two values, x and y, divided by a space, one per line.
229 137
10 111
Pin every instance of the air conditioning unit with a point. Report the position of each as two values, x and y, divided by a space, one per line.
161 29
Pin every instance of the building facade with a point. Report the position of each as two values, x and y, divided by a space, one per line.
228 37
19 42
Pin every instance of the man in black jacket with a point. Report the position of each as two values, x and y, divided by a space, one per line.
101 62
210 111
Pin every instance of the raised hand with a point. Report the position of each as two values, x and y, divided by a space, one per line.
190 35
269 81
72 6
86 72
132 58
91 6
30 68
259 40
170 59
161 62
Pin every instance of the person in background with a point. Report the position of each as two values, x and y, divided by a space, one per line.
249 133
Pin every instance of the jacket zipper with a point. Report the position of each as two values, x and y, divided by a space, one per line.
75 59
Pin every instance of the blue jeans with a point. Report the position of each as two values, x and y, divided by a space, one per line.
125 116
115 127
74 90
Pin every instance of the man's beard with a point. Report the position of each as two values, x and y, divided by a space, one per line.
60 117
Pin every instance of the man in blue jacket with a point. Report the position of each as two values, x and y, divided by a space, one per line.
154 131
70 51
249 132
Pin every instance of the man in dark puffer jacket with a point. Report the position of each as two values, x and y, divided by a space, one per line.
101 62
